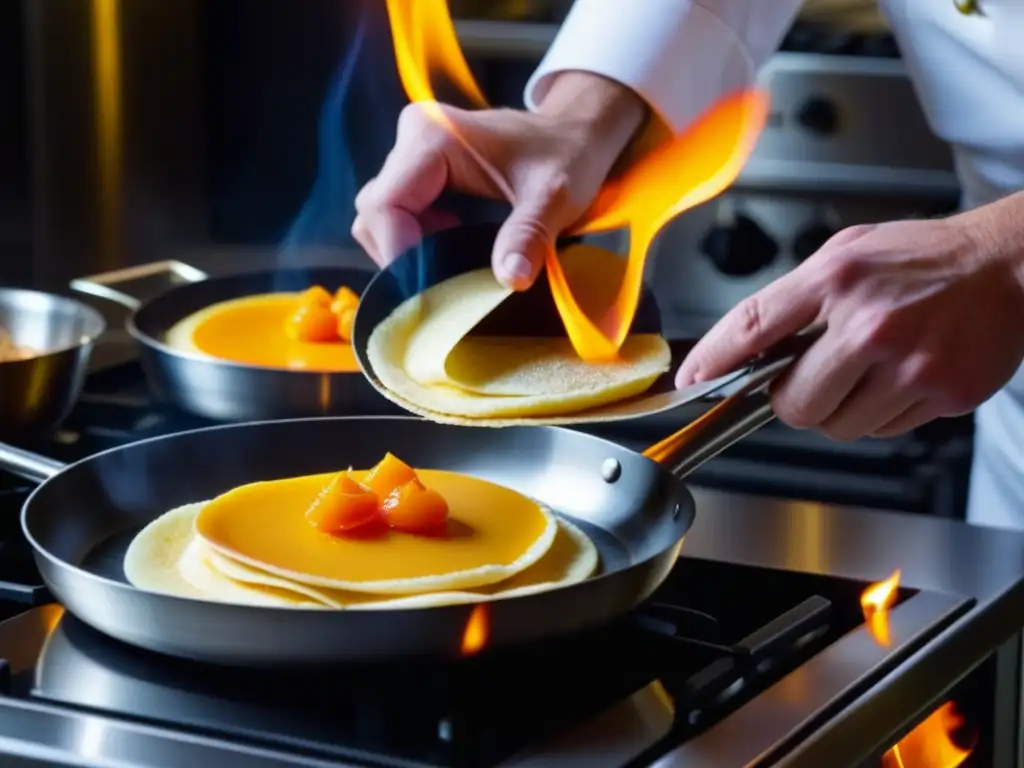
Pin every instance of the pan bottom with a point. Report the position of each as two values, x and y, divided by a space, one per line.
106 559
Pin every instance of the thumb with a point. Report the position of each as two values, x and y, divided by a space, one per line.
781 309
523 242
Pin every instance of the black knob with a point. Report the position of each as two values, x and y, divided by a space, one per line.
881 46
810 239
819 116
814 38
740 249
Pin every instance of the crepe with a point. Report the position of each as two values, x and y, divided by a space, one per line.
167 557
426 361
571 558
492 533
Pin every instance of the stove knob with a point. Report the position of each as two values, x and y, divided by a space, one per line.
810 240
739 249
881 47
819 116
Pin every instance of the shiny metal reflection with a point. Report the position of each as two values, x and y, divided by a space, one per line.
36 394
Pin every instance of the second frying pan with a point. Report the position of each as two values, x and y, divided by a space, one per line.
220 389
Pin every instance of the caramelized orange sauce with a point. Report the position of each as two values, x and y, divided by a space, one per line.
11 352
264 524
300 332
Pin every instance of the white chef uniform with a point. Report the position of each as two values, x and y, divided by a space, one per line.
682 55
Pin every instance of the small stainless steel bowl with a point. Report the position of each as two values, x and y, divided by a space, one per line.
37 394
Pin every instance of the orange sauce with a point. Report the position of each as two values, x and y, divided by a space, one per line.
265 524
252 331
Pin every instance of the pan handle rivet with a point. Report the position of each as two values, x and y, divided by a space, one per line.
676 510
611 470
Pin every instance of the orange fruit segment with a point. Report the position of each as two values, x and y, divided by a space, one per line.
412 507
312 321
342 506
344 298
389 473
316 295
346 319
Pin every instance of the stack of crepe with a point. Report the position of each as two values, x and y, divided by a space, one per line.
253 546
427 359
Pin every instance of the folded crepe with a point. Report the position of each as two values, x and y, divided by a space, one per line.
428 360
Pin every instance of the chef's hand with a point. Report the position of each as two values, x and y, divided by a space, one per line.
553 162
925 319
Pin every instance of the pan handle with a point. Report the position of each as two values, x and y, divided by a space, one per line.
28 465
744 411
132 286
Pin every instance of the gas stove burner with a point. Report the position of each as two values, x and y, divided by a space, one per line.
740 665
466 712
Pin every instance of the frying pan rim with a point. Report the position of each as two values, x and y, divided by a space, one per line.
81 573
96 320
196 357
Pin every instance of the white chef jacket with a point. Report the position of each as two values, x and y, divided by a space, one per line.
681 56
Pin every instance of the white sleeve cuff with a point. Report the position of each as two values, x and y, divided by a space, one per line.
677 55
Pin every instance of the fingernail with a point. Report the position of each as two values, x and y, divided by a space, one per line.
515 271
688 379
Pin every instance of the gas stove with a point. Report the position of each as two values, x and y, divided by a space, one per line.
628 695
754 652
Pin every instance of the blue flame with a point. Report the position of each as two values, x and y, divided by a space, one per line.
325 219
326 216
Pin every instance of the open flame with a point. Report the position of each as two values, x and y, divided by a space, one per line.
477 631
932 744
876 601
682 173
425 41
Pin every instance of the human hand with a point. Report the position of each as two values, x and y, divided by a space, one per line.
924 320
550 163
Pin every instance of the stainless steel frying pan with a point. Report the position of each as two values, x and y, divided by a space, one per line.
81 518
531 313
219 389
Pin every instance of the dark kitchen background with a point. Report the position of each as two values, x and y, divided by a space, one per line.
220 132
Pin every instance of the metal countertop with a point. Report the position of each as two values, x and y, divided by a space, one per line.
932 553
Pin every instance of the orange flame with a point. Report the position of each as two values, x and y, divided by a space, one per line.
477 631
690 169
931 744
876 601
425 39
686 171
